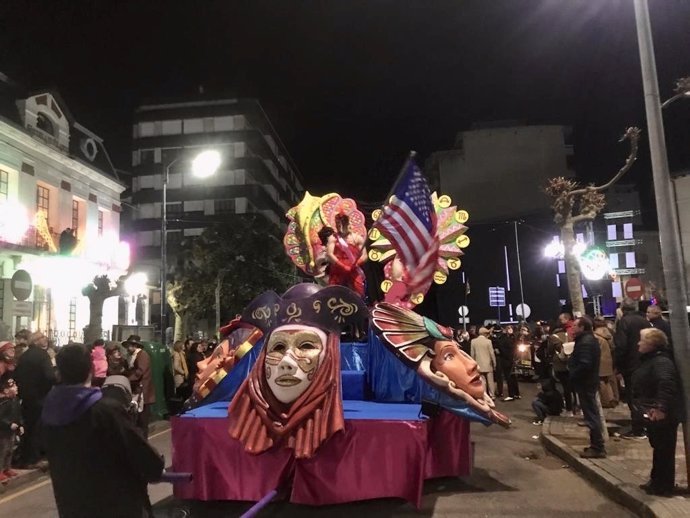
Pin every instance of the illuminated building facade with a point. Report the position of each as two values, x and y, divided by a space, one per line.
59 215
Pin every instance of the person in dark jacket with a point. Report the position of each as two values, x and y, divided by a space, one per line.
549 401
627 358
100 464
35 376
505 345
583 366
194 356
141 378
656 391
10 425
656 319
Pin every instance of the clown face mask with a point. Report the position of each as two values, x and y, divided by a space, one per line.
459 367
293 356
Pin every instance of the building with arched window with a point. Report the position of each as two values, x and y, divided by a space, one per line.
59 215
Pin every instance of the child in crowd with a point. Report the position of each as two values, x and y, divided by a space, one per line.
99 363
10 426
549 401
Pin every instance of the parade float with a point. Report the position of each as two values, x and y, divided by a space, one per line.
286 406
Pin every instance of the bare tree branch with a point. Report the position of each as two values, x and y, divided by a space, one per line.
633 135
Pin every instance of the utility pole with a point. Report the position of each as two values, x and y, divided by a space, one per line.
669 234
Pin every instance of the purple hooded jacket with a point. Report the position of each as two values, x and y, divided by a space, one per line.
64 404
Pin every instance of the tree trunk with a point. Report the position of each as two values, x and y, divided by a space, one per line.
180 326
95 328
572 269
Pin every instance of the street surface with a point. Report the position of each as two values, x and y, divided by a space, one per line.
513 476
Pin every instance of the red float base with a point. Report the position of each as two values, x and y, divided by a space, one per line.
386 450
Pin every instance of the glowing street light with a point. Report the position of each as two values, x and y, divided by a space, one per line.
136 283
205 164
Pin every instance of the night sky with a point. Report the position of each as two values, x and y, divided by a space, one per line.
353 85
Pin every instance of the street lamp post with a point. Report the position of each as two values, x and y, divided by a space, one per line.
669 234
205 164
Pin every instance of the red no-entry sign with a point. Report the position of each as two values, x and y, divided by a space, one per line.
633 288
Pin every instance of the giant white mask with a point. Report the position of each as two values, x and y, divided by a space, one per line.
294 354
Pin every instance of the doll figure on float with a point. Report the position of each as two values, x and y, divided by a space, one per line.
325 239
430 349
346 253
291 398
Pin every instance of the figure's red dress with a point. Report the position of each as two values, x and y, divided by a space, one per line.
346 272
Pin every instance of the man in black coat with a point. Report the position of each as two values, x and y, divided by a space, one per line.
656 391
100 464
627 358
35 376
505 345
583 366
657 320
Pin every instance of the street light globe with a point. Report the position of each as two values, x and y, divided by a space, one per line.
136 283
206 164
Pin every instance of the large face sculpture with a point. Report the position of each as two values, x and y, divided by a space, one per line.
293 355
459 367
429 349
292 397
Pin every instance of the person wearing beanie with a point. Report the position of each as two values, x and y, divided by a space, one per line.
35 375
100 464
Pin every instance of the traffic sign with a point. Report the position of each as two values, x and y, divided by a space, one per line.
21 285
633 288
463 320
497 297
523 310
463 311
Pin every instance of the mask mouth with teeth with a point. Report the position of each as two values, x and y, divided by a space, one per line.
291 397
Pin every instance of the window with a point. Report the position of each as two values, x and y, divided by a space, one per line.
4 183
630 260
613 261
45 124
174 238
224 123
561 266
146 129
42 207
171 127
627 231
42 199
100 223
224 206
611 232
75 217
174 209
193 126
147 156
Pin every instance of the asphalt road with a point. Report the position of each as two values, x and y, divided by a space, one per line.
513 476
36 499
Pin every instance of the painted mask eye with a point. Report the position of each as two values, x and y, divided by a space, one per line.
448 357
279 348
307 346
